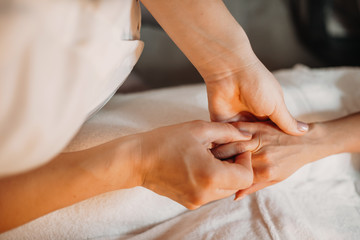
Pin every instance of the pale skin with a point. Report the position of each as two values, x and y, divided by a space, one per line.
236 82
276 155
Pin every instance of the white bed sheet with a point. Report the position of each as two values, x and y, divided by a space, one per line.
320 201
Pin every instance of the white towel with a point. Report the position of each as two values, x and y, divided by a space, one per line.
320 201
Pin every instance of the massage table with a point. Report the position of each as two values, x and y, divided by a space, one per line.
320 201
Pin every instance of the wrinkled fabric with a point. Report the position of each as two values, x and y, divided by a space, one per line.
320 201
59 61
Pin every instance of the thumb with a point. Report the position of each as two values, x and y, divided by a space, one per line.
221 133
229 150
237 175
254 188
286 122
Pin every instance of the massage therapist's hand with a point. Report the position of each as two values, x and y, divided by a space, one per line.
173 161
275 155
252 89
177 163
219 48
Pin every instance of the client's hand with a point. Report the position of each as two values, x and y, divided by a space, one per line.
177 162
275 155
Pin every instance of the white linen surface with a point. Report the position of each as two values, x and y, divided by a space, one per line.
320 201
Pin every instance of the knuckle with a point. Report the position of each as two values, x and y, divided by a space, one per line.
200 127
248 179
240 147
198 122
247 184
191 206
198 199
228 126
206 179
265 158
265 174
203 125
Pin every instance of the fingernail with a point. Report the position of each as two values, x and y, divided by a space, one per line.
239 198
302 127
246 134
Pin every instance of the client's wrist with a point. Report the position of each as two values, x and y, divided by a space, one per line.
336 136
320 139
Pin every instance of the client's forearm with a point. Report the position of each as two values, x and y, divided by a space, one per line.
67 179
343 134
332 137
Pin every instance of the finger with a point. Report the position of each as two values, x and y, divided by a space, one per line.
254 188
283 119
245 160
234 176
247 117
213 195
262 119
222 110
242 117
222 193
229 150
250 127
221 133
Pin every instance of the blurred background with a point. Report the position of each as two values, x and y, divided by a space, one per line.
316 33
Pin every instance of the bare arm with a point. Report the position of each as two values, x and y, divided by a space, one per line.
173 161
204 30
343 135
276 155
218 47
67 179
